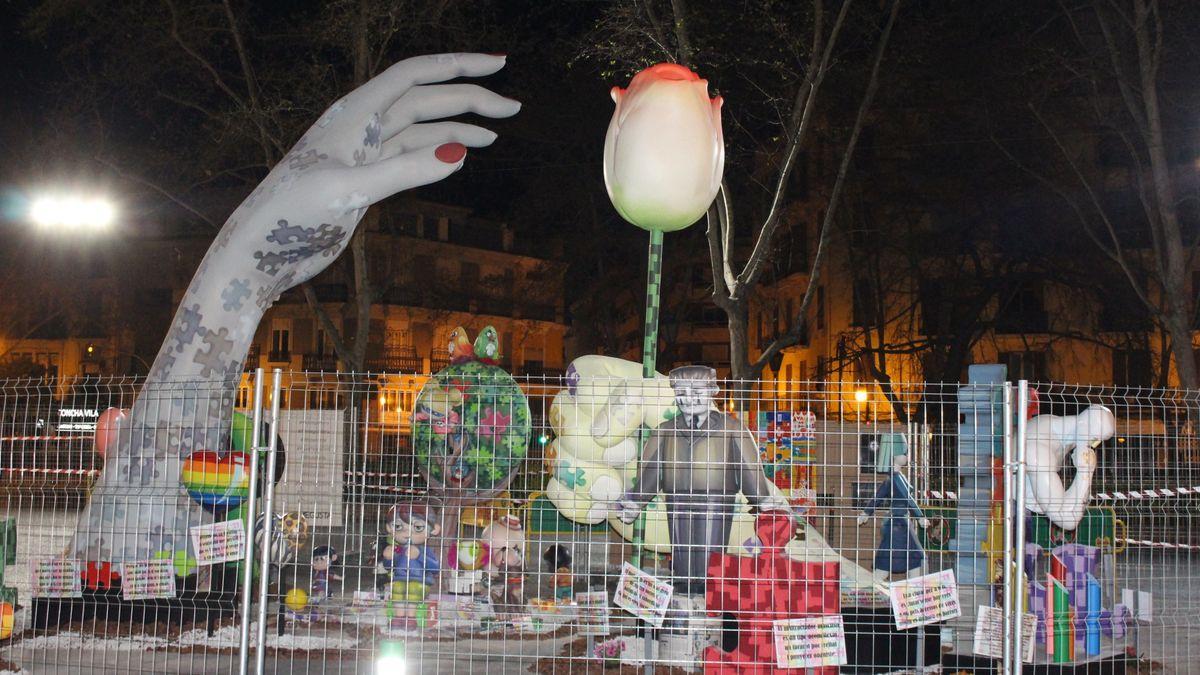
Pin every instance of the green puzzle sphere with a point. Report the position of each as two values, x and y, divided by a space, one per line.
470 430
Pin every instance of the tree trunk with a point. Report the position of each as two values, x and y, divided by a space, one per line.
738 321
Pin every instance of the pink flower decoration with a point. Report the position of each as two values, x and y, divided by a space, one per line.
493 423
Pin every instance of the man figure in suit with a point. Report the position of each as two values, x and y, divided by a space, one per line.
700 460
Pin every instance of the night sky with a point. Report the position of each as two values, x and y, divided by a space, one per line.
102 81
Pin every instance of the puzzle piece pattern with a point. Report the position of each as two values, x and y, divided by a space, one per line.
215 358
761 590
234 294
304 243
185 332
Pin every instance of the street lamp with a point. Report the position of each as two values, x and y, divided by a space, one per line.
72 212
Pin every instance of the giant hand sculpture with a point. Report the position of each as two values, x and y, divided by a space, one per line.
1049 439
367 146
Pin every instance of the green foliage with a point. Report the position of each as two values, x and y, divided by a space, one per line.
473 418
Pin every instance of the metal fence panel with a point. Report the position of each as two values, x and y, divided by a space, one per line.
472 522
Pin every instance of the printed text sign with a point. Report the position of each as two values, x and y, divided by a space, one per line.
925 600
56 578
219 542
989 633
643 595
146 579
810 642
593 613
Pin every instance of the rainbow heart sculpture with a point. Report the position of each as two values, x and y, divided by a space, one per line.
217 483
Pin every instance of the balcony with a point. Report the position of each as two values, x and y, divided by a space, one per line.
394 362
321 362
274 356
252 358
535 369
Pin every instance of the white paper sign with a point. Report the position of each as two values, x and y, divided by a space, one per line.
219 542
312 479
989 633
56 578
643 595
925 600
146 579
810 642
593 612
1140 603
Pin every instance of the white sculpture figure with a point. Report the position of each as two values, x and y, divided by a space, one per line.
1049 439
376 141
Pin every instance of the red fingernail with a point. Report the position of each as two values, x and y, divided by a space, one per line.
451 153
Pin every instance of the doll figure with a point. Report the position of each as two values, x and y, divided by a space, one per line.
505 539
323 560
898 552
411 566
558 561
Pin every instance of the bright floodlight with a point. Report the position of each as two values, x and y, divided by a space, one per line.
861 396
72 212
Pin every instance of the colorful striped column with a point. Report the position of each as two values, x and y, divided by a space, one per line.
1064 627
1092 621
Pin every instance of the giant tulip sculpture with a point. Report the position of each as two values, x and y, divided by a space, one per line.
663 160
664 153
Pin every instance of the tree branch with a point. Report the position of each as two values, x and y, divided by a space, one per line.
803 105
831 207
158 189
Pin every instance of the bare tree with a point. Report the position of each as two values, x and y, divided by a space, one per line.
1111 77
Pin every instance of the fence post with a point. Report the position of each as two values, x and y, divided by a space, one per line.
1008 597
251 505
1019 514
264 579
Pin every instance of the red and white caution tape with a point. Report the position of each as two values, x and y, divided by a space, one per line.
1150 493
45 438
1159 544
373 474
934 494
68 472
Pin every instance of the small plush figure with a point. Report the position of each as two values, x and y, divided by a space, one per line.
467 558
487 346
505 539
558 561
407 558
323 560
461 350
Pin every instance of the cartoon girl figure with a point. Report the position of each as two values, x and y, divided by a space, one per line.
412 567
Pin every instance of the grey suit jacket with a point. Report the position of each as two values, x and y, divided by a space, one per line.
714 462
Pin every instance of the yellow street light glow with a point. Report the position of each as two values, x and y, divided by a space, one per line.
72 212
860 395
